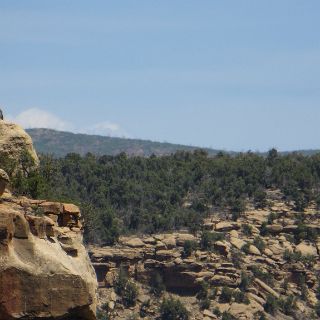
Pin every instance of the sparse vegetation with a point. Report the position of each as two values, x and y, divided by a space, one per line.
259 243
188 248
293 257
240 297
172 309
109 188
227 316
246 248
209 238
247 230
288 305
271 305
245 281
262 275
226 295
130 294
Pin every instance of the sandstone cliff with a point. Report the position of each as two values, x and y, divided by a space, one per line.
45 272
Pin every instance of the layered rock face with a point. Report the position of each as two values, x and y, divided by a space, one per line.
45 272
14 142
256 257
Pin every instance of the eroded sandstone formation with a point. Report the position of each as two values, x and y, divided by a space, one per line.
45 272
14 142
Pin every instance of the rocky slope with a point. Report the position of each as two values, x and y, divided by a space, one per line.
261 258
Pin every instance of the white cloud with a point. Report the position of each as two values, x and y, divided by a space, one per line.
37 118
107 128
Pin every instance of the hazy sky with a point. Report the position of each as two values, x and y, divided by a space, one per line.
235 75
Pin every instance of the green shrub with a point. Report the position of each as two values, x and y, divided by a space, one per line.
246 248
173 309
260 199
226 295
240 297
121 281
293 257
227 316
188 248
238 207
272 216
205 304
245 282
130 294
216 311
237 258
209 238
259 243
304 232
247 230
262 275
271 305
263 229
288 305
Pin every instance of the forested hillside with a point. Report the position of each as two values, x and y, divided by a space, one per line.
59 144
120 194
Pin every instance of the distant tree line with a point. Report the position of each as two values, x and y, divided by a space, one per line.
121 194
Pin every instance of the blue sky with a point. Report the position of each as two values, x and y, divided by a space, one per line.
235 75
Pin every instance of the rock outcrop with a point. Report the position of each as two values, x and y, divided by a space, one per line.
14 142
45 271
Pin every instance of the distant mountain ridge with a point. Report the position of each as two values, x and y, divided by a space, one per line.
60 143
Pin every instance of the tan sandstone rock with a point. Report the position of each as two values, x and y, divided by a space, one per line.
306 249
38 277
14 142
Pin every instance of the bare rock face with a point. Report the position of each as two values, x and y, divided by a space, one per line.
14 142
45 271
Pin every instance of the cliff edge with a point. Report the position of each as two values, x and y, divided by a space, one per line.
45 271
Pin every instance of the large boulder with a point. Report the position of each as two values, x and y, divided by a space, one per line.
307 249
45 271
15 142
